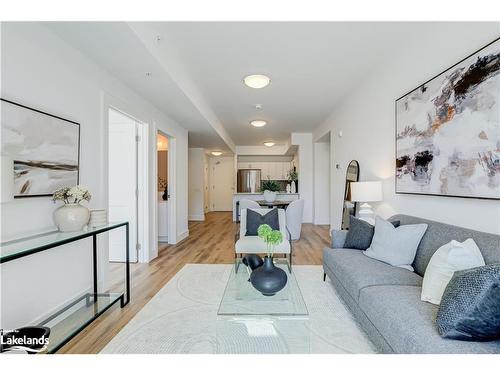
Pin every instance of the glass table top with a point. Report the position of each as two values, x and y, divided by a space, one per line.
29 245
69 321
241 298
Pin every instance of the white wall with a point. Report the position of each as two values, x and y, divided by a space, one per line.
305 171
42 71
366 118
321 183
196 184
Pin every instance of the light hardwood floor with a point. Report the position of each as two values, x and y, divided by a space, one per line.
211 241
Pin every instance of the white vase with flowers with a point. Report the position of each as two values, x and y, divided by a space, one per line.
72 216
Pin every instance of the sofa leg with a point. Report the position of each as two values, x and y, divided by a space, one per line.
324 276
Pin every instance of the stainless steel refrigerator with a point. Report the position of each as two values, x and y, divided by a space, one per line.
248 180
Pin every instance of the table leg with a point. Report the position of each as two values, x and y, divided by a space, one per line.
127 266
94 261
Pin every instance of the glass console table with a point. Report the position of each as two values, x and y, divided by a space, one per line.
71 319
249 322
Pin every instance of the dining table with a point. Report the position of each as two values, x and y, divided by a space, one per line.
279 204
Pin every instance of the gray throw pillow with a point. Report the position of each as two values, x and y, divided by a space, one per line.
255 220
396 246
470 307
360 233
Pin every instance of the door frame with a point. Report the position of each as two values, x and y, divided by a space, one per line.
108 103
172 189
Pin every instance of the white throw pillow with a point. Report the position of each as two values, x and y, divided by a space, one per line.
454 256
396 246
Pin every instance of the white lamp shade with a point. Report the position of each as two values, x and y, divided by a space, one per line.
366 191
7 176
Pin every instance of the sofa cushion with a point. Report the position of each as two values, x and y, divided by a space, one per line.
356 271
408 324
438 234
360 233
256 219
396 246
453 256
470 309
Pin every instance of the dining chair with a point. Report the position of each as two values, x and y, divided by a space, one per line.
244 244
246 203
294 213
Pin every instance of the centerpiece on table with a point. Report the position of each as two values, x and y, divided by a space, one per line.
72 216
270 188
269 279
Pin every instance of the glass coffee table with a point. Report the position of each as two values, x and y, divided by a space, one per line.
249 322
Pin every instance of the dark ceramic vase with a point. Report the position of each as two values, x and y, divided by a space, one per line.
268 279
253 261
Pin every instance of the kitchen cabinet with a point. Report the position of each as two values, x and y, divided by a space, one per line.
271 170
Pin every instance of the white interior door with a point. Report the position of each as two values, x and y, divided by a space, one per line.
222 183
122 184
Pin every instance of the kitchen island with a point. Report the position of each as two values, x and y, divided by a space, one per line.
281 196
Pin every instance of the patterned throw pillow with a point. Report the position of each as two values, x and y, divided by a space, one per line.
360 233
255 220
470 307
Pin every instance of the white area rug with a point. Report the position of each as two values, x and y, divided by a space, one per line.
182 316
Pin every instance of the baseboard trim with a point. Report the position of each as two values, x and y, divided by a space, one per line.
182 236
200 217
320 222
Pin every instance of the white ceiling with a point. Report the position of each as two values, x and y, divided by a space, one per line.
116 48
311 65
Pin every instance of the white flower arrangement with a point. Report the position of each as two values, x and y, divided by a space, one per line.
74 194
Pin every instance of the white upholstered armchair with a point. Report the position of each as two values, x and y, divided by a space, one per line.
255 245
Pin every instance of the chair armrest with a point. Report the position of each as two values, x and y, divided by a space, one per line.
237 235
338 238
289 234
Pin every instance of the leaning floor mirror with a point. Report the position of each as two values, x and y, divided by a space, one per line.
349 208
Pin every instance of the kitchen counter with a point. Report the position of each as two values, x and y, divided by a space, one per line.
282 196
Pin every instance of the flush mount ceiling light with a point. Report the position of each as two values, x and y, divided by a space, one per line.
258 123
257 81
269 144
216 153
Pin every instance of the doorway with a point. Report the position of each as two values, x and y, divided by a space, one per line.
221 183
322 188
163 193
124 168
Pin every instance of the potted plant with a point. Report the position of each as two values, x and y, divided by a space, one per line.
269 279
72 216
293 177
270 188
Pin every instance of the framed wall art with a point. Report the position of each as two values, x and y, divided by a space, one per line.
448 131
44 148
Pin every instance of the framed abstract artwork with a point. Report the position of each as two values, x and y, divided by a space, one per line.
44 148
448 131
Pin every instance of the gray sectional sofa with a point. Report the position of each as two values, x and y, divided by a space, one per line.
385 300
